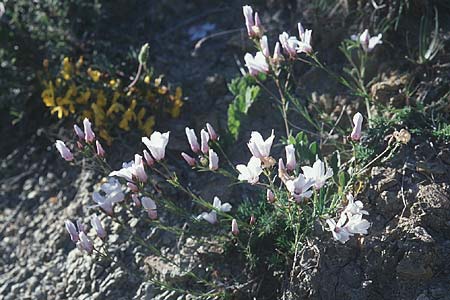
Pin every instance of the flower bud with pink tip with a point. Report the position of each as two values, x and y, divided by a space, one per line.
78 132
357 127
100 151
132 187
290 157
213 160
150 206
234 227
85 243
264 46
63 150
136 200
97 225
270 196
204 141
190 160
212 133
72 231
148 158
138 169
89 134
192 139
252 220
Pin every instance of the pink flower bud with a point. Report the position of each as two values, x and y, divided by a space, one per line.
252 220
72 231
78 132
150 206
205 139
89 135
79 145
264 46
357 126
190 160
234 227
132 187
270 196
249 23
100 150
277 56
97 225
138 169
192 139
212 133
80 226
85 243
136 200
63 150
213 160
148 158
290 157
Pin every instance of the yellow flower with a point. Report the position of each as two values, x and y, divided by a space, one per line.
163 90
104 135
87 114
177 103
116 96
99 114
114 83
94 74
158 80
114 108
147 128
48 95
128 116
101 99
147 79
67 68
62 112
84 97
79 62
140 116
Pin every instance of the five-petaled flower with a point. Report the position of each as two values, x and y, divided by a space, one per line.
256 64
157 144
300 187
251 171
317 173
211 216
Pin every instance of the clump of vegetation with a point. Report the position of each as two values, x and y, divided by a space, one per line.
85 91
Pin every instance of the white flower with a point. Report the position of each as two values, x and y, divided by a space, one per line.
256 64
112 193
299 187
251 171
89 135
72 230
63 150
132 170
254 28
157 144
357 127
289 44
354 207
212 133
192 139
204 135
368 43
339 232
213 160
318 173
85 243
264 46
290 157
357 225
258 147
211 217
97 225
304 44
277 56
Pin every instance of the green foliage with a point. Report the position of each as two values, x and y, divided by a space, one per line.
442 132
31 31
429 42
306 151
245 92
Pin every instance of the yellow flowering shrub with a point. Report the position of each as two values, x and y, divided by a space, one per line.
85 91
